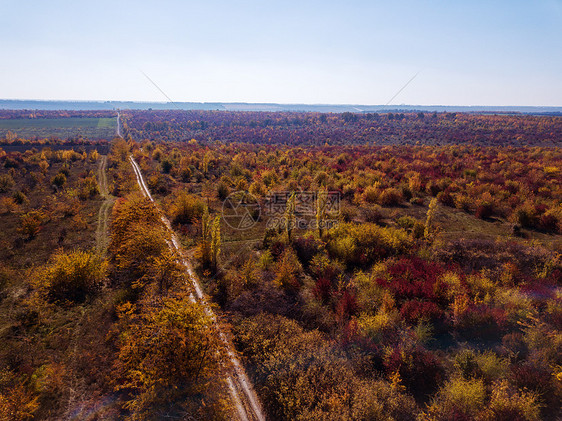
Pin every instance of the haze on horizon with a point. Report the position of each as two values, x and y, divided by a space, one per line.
357 52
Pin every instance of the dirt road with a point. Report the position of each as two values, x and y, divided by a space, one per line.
102 230
241 390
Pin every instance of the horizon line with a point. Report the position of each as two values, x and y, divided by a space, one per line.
275 103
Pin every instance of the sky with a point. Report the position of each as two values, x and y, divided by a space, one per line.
473 52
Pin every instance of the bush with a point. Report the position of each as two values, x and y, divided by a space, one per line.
19 197
30 224
140 254
371 194
420 370
88 188
507 404
306 248
6 182
167 165
412 225
186 209
168 356
415 310
413 278
379 326
381 401
360 245
73 276
390 197
373 214
289 271
525 216
466 364
484 210
222 190
462 396
348 213
301 376
536 377
130 211
549 222
17 403
446 198
59 180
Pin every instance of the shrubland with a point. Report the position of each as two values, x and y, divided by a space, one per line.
434 293
424 299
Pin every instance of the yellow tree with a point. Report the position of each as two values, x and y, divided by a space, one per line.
205 246
215 242
168 355
290 216
72 277
429 219
321 202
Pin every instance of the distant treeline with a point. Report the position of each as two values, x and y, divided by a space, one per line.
33 114
101 147
294 128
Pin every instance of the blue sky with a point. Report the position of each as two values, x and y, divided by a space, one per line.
348 51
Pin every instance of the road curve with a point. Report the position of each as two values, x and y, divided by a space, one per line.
240 388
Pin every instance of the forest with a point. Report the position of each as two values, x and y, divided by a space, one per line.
364 267
297 128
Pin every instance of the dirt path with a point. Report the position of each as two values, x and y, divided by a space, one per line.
240 388
102 236
118 129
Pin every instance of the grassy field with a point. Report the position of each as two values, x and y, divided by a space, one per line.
91 127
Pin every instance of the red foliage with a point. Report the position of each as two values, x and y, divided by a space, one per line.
482 321
534 377
323 289
484 211
412 278
347 306
414 310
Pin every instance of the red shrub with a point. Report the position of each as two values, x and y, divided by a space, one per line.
323 290
347 306
548 223
482 322
535 377
412 278
484 211
415 310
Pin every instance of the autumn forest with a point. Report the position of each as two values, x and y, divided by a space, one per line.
216 265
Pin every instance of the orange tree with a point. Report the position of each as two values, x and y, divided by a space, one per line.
169 353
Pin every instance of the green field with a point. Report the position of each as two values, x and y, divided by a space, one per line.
90 127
